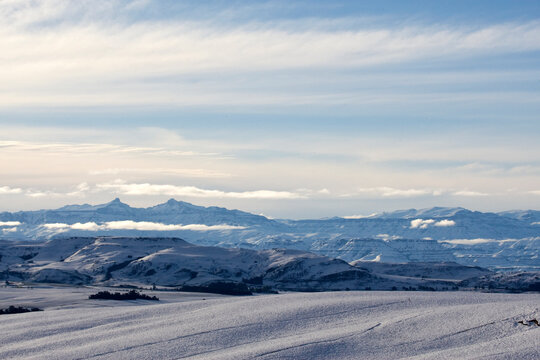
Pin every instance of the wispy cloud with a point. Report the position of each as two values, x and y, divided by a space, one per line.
181 62
9 190
139 225
196 173
80 190
469 193
122 187
93 148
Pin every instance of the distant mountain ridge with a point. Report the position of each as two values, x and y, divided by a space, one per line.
505 240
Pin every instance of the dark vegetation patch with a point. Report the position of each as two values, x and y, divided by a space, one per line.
534 287
150 272
263 289
28 256
130 295
18 310
256 280
346 275
117 266
219 287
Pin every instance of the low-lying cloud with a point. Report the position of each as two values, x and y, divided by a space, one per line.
471 241
9 190
445 222
424 224
9 230
138 225
10 223
421 223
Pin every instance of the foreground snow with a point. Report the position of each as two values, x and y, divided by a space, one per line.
340 325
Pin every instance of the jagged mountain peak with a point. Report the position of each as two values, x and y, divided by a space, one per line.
175 206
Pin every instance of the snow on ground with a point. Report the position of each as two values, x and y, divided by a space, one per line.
330 325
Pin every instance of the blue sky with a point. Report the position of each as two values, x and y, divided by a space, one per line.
291 109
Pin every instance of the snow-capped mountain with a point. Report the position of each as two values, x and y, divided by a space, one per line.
506 240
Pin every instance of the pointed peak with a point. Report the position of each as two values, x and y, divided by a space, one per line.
116 202
176 203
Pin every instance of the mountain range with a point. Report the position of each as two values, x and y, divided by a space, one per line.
508 240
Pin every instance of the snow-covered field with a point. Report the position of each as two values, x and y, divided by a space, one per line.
330 325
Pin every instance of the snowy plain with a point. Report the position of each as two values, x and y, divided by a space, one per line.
327 325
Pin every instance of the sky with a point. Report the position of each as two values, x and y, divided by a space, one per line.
291 109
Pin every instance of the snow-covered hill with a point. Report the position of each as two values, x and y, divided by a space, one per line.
508 240
173 262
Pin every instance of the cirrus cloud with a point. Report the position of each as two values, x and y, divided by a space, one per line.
153 61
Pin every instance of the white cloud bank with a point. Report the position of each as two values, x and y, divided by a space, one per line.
10 223
421 224
139 225
9 190
9 230
424 224
122 187
445 222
